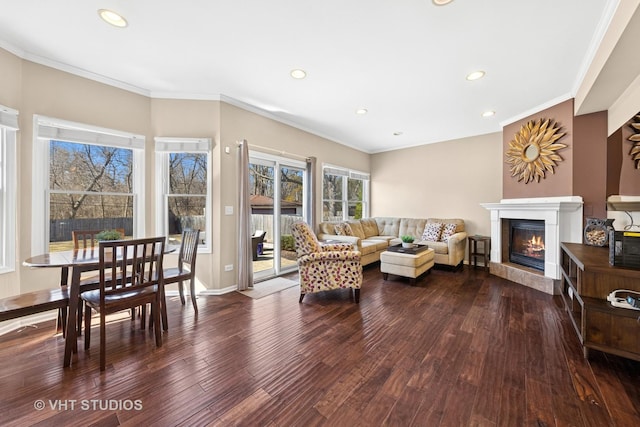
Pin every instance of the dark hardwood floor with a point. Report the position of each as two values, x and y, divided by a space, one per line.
458 349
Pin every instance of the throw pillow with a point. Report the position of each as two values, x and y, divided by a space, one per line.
347 229
447 231
343 229
432 232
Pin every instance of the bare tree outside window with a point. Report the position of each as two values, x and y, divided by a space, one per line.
90 187
187 198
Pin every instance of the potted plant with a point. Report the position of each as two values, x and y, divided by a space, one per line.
407 241
108 235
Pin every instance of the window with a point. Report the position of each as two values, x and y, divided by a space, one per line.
84 178
183 191
8 128
345 194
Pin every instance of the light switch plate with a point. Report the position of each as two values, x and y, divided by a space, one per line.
228 210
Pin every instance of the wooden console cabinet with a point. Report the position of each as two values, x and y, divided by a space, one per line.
587 279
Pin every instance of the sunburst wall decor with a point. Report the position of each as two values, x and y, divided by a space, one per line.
532 151
635 138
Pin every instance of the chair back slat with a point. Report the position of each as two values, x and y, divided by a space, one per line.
130 265
86 239
188 249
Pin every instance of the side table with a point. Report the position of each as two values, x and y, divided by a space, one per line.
474 253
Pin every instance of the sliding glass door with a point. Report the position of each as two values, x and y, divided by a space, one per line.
277 201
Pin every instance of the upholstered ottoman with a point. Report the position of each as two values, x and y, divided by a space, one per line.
406 264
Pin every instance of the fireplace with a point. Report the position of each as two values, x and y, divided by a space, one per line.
526 243
562 219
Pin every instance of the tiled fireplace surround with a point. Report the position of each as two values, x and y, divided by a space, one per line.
562 223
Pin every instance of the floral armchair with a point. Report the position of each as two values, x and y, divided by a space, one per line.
324 267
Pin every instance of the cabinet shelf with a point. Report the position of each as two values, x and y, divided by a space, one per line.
587 279
623 206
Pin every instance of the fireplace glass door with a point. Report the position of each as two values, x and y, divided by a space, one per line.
526 243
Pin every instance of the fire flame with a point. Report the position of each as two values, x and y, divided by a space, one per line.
536 242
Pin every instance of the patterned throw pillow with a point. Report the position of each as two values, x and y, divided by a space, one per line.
347 229
432 231
343 229
447 231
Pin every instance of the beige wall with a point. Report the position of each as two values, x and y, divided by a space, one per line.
10 95
259 131
35 89
445 180
53 93
192 119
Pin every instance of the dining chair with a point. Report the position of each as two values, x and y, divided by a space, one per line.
130 276
83 240
186 269
86 239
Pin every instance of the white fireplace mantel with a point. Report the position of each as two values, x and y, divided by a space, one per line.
562 223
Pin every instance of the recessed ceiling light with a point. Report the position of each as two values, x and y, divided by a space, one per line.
475 75
298 74
441 2
361 111
113 18
488 113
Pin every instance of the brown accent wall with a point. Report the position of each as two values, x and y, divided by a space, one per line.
589 162
614 162
560 183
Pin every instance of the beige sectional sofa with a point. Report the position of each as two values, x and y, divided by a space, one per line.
372 236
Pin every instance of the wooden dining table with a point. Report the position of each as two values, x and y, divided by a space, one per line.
79 261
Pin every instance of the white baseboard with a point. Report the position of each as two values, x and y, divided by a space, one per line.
12 325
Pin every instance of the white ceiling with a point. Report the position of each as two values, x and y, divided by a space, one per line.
405 61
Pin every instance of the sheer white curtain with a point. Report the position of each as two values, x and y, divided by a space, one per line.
311 190
245 257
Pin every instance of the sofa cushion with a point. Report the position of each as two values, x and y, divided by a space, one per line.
447 231
369 246
412 227
356 228
380 245
432 232
438 247
370 227
388 226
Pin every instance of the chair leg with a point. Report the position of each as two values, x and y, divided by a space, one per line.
156 321
162 310
356 295
81 306
143 316
103 341
87 327
192 287
62 321
301 296
181 290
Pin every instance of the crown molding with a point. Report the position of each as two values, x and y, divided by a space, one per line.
535 110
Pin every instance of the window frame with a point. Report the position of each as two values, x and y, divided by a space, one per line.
347 174
164 147
8 188
46 129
